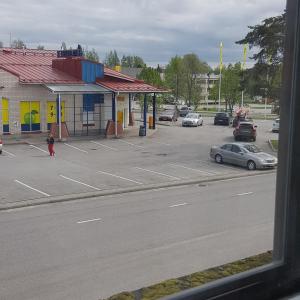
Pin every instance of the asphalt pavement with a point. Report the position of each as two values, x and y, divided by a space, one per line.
97 247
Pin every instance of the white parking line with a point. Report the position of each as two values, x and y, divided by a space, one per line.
113 175
176 205
111 148
131 144
162 174
75 148
243 194
40 149
87 221
30 187
197 170
11 154
92 187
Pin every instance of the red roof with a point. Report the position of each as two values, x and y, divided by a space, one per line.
115 74
40 74
124 86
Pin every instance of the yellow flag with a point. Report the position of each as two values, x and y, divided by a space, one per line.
221 56
245 48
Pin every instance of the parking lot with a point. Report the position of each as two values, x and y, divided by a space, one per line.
173 153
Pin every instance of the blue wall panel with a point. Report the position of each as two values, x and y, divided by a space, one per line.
90 71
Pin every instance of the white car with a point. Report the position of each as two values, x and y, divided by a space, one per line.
192 119
0 146
275 127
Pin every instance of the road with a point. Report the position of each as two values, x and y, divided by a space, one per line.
97 247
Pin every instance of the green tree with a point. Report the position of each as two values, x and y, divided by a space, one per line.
174 77
18 44
230 86
40 47
265 76
91 55
112 59
132 61
191 67
151 76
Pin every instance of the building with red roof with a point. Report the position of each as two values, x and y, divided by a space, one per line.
41 88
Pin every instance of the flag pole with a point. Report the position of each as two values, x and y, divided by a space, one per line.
220 75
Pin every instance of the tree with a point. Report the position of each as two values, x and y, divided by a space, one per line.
63 46
174 77
40 47
91 55
1 44
191 67
112 59
18 44
151 76
132 61
265 77
230 86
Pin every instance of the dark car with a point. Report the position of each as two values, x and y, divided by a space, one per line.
168 115
222 118
184 110
245 130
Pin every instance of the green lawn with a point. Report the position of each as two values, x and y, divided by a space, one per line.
275 144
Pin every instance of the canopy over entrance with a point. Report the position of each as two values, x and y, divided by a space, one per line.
78 89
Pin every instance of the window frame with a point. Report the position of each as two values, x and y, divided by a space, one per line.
282 275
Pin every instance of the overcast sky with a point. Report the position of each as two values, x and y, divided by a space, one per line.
156 30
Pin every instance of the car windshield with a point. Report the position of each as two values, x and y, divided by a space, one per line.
221 115
252 148
168 112
192 116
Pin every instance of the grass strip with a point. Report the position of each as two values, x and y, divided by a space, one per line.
171 286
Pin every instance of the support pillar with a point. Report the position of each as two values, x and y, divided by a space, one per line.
130 110
145 113
58 110
154 109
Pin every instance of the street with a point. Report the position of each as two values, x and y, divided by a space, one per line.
94 248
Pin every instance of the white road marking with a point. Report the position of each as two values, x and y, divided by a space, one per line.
131 144
87 221
39 149
161 143
162 174
176 205
243 194
111 148
92 187
197 170
75 148
113 175
11 154
30 187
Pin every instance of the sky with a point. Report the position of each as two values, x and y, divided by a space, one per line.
156 30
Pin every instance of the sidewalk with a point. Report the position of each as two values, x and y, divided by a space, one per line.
40 138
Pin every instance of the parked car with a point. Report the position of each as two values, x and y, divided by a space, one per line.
192 119
184 110
222 118
275 127
243 154
1 145
245 130
168 115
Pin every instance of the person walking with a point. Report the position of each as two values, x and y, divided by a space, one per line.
50 141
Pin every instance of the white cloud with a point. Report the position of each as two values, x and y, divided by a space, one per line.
153 29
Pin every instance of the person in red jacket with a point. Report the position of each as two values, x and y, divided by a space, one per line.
50 141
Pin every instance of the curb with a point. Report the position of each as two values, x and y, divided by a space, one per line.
72 197
271 146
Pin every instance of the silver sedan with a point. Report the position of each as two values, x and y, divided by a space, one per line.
243 154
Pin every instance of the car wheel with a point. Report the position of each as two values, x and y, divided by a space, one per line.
251 165
0 151
218 159
254 139
201 123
